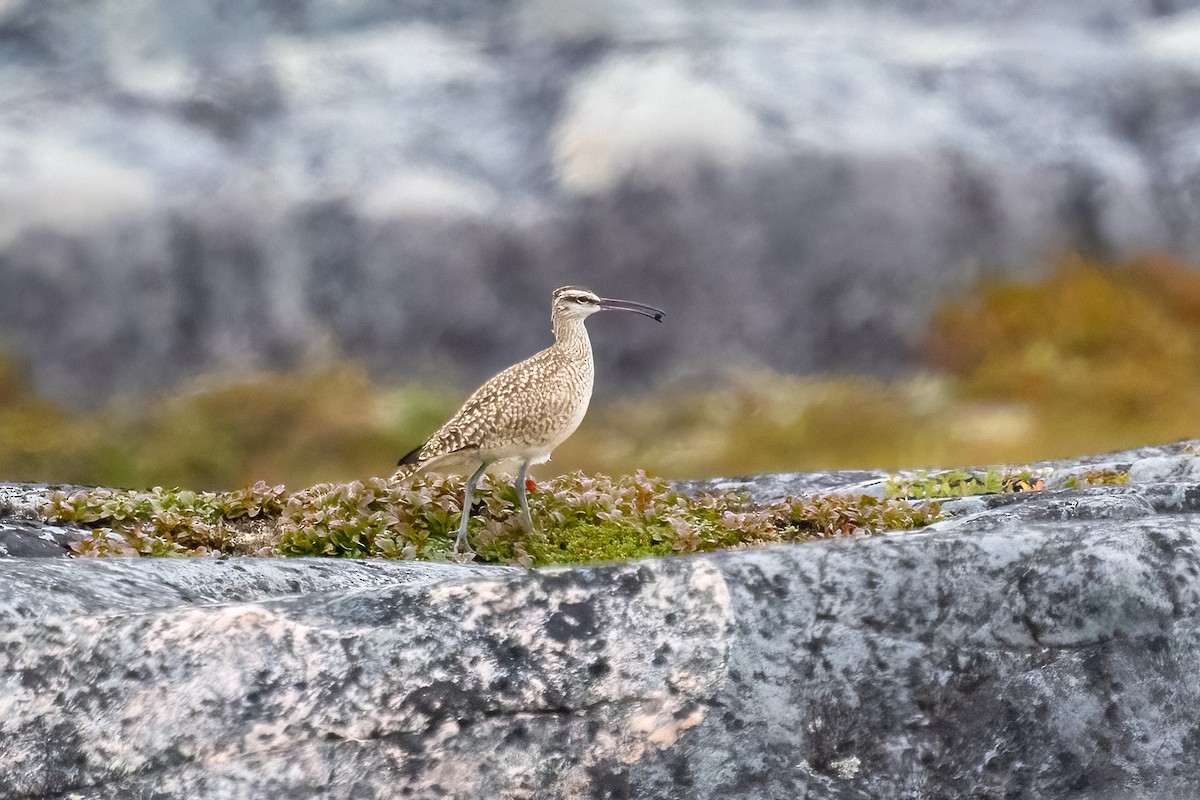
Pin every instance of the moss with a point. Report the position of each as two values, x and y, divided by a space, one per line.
960 483
578 519
1098 477
581 542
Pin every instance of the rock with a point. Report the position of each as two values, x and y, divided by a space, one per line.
23 534
119 585
1039 644
1032 660
1150 468
21 500
187 187
1172 469
768 488
23 539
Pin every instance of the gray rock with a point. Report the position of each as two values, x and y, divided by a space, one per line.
768 488
120 585
1037 644
23 534
21 500
24 539
1166 469
249 183
1150 469
1028 660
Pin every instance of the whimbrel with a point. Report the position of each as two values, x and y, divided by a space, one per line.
523 413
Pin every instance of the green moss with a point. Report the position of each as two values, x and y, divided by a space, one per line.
578 519
581 542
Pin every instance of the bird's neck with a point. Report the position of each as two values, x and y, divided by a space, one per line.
571 336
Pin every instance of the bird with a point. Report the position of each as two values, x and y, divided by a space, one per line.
521 414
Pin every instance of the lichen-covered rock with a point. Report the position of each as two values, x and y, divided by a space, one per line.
1023 661
484 687
23 534
1146 467
1037 644
197 186
21 538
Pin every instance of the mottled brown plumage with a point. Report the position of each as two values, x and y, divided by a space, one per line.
523 413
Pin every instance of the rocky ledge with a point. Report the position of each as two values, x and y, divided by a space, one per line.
1035 644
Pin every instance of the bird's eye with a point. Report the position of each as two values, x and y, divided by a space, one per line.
581 299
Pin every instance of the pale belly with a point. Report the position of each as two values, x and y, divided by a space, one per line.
538 453
529 423
511 454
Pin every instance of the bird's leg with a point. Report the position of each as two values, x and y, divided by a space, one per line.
519 485
460 544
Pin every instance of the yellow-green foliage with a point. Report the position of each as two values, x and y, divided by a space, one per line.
1092 358
1114 352
297 427
758 421
38 439
579 519
960 483
1098 477
1089 359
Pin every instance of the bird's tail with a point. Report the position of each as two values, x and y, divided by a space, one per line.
409 465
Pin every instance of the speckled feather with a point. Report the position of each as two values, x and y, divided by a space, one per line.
535 404
525 411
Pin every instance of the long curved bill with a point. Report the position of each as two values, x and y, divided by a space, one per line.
611 304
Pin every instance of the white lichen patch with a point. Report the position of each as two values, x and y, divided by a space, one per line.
651 119
426 193
57 184
846 768
397 58
482 598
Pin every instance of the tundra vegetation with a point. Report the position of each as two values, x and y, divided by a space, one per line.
578 519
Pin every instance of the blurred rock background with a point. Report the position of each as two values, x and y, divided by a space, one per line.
223 187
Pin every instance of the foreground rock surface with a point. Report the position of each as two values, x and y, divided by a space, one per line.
1047 647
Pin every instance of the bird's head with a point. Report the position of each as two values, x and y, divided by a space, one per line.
575 302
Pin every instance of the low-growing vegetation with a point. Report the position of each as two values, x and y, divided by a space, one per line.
579 519
960 483
1097 477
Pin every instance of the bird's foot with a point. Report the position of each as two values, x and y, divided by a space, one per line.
461 546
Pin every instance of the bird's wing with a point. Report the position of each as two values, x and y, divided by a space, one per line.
487 410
